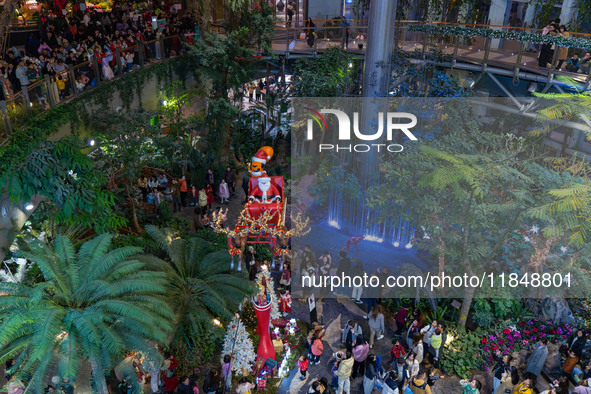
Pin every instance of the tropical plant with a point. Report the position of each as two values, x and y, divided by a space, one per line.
94 305
201 288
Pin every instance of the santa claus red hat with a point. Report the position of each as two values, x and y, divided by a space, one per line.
263 154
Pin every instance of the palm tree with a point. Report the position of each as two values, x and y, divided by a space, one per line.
94 304
201 287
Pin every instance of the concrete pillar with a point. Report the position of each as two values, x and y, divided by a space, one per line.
496 16
567 12
530 14
380 43
378 64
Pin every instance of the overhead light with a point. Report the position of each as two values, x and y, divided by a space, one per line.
29 206
350 65
91 142
164 102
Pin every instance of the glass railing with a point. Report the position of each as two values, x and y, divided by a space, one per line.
479 48
46 92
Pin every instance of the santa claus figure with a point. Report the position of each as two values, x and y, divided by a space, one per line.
265 192
285 302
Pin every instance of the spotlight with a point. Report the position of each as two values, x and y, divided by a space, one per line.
396 244
408 245
29 206
91 142
350 65
164 102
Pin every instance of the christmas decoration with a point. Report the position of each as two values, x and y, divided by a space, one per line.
238 342
265 191
470 32
259 160
266 287
265 349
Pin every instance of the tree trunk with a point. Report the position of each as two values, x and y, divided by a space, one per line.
99 377
466 304
136 222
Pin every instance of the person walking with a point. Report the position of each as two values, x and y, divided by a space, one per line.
224 192
376 324
184 189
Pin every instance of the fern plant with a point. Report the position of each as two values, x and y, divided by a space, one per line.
94 305
200 286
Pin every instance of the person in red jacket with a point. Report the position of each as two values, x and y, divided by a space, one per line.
171 380
397 350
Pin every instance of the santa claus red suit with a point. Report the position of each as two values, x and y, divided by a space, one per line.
265 191
285 302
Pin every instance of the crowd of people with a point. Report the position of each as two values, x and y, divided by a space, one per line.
65 41
160 188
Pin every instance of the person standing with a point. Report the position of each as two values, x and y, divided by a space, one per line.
360 353
419 384
427 332
538 358
183 189
350 333
227 371
224 192
471 386
369 378
507 382
400 318
310 32
303 366
343 374
171 380
546 49
562 51
210 178
176 196
503 367
209 192
376 324
316 348
250 261
245 182
417 347
230 177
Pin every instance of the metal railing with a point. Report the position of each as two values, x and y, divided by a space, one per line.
49 91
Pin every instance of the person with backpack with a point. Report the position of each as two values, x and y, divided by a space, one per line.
419 384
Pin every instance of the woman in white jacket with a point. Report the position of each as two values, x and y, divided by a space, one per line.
417 346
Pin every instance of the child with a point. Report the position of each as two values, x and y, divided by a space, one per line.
209 193
397 350
303 366
202 199
244 386
227 371
205 220
285 303
224 192
129 60
194 195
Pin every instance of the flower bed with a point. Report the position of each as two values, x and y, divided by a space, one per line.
468 351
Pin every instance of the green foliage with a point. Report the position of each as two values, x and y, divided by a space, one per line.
219 241
200 287
329 75
95 303
220 59
462 353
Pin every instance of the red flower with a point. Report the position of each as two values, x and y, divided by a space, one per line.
535 329
526 332
484 341
501 341
494 346
522 324
506 331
